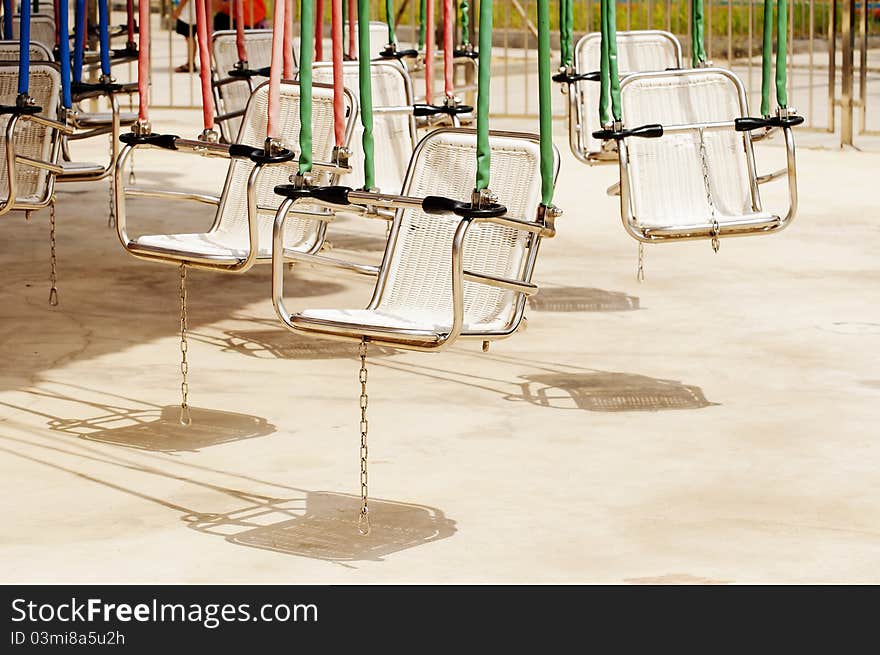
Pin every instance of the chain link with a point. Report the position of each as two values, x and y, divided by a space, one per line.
640 272
364 516
716 228
53 272
111 212
185 418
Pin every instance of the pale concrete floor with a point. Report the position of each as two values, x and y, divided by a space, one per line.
715 423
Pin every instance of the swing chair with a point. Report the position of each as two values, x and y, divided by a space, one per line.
241 233
687 170
31 143
458 263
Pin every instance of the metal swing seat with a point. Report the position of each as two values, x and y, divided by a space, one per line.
394 128
42 29
698 179
637 51
241 233
231 91
10 51
443 276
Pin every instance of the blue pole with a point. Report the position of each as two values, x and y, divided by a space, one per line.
64 54
24 41
7 20
79 36
104 24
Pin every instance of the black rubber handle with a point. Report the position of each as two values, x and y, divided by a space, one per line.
166 141
569 78
259 155
471 53
749 123
21 110
650 131
243 73
442 205
421 110
389 53
335 195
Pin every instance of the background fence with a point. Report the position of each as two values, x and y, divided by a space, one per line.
834 77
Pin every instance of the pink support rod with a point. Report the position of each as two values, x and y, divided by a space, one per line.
144 61
448 27
352 29
319 30
338 101
238 11
129 11
289 68
275 71
204 63
429 50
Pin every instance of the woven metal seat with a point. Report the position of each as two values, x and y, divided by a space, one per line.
699 178
394 132
227 243
9 51
414 303
637 51
42 29
231 94
25 186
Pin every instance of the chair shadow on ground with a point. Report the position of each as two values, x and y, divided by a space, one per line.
160 430
278 343
605 391
325 527
581 299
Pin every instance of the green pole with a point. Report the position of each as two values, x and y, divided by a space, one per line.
698 45
366 91
781 53
767 58
544 105
389 17
465 22
306 50
604 78
485 63
423 8
566 26
613 75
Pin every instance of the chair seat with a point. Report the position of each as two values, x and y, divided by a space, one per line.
727 224
80 168
417 324
217 247
105 119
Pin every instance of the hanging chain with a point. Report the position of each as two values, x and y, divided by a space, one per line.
640 272
364 516
132 180
716 228
185 418
111 213
53 272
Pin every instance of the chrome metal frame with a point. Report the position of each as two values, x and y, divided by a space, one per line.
577 112
58 129
230 264
729 228
426 340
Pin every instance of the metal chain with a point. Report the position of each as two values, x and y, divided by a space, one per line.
716 228
111 213
53 272
364 516
185 418
640 272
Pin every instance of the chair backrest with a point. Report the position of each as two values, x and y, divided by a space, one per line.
417 267
667 174
394 134
231 220
637 51
31 140
10 51
42 29
233 94
378 37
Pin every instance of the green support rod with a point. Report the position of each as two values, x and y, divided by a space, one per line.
366 91
485 64
423 7
389 18
698 44
545 109
604 79
465 22
306 51
613 74
566 27
781 53
767 58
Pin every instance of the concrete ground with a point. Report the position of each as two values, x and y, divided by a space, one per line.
716 423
